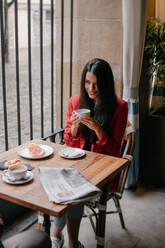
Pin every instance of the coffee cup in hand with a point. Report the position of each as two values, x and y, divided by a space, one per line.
82 112
17 171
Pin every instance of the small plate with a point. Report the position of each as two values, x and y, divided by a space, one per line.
29 177
71 153
24 152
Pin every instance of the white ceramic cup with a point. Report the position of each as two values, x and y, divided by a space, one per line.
17 171
82 112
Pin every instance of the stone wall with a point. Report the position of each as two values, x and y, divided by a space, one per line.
97 32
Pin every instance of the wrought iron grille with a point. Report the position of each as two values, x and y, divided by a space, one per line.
24 103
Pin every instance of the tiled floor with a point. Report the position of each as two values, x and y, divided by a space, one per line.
144 214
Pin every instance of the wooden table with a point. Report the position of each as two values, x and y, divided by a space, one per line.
97 168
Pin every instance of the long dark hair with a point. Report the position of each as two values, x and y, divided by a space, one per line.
105 106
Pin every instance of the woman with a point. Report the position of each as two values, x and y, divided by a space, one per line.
100 132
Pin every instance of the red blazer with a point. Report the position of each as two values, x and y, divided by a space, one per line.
106 145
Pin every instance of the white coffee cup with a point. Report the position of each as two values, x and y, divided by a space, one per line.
82 112
17 171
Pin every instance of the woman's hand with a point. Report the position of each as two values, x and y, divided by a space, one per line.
75 120
92 124
89 122
75 124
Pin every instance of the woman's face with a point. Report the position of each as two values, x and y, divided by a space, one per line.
91 85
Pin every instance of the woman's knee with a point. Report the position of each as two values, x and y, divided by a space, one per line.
60 221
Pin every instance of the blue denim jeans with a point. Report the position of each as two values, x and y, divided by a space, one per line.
75 213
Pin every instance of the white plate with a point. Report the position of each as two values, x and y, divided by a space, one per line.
29 177
24 152
71 153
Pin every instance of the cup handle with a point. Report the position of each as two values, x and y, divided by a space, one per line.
8 176
6 173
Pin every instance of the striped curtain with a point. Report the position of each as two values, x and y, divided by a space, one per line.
134 24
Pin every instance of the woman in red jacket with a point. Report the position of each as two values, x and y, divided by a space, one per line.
103 131
100 132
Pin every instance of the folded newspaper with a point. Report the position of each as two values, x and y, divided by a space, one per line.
67 185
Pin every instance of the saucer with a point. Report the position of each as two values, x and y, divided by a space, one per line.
71 153
11 180
24 152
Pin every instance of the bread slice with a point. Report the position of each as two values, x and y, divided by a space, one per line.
36 151
12 162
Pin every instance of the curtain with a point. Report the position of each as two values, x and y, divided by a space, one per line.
134 25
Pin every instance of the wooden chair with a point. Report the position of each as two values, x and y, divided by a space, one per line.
92 208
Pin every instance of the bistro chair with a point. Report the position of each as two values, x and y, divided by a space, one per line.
93 207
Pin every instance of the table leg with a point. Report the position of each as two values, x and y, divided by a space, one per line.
47 223
44 222
101 221
40 220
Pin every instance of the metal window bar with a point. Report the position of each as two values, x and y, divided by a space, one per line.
17 72
52 66
62 55
3 75
71 44
41 68
29 69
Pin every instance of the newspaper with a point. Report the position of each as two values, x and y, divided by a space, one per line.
67 185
